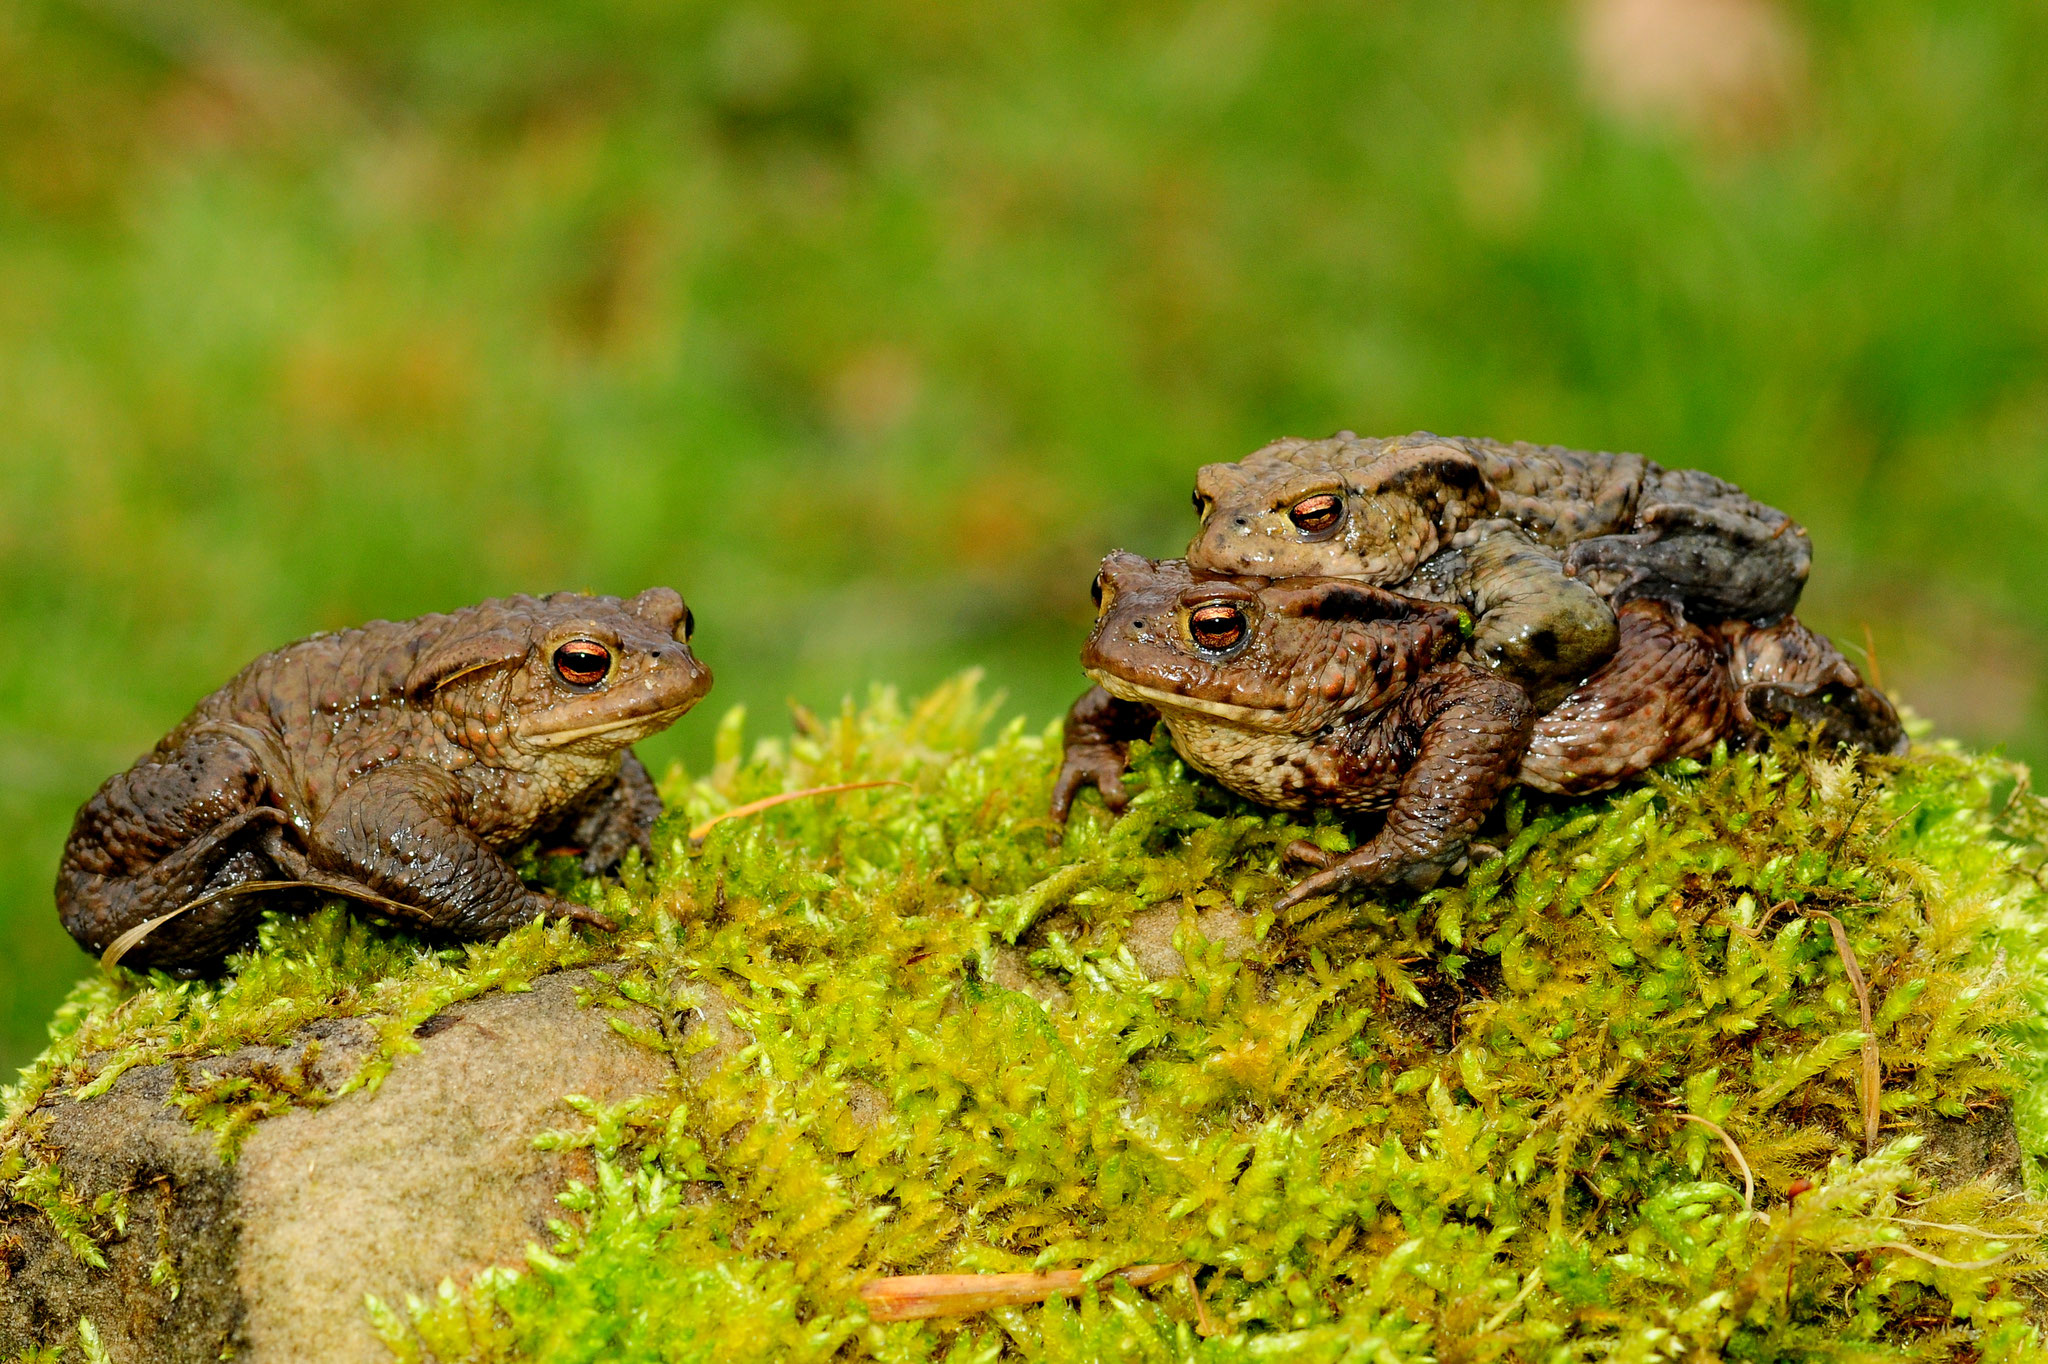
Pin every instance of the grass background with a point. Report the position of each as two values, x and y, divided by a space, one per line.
871 327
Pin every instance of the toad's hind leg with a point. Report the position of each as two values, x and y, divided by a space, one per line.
1664 695
169 831
1704 544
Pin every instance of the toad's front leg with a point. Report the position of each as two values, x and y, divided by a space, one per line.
1097 745
397 834
1536 626
1474 728
614 818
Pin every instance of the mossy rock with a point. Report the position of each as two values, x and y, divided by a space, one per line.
1610 1097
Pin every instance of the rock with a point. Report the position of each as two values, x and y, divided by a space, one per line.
183 1205
1012 971
432 1175
1150 937
1985 1145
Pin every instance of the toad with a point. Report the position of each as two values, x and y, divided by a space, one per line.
1538 541
392 765
1327 692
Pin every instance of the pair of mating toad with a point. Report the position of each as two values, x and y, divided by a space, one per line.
1563 619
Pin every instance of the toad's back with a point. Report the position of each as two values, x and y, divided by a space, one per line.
1623 526
1561 495
329 707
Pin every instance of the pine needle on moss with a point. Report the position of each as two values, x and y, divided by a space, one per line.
919 1297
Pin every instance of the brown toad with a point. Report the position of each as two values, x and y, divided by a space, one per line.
1325 692
1540 542
392 765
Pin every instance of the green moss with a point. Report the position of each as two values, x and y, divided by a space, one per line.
91 1350
1480 1123
230 1106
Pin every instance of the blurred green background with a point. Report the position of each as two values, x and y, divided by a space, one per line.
872 326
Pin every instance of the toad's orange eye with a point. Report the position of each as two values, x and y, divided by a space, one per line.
1217 627
582 663
1317 515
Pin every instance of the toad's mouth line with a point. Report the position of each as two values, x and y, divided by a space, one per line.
1124 689
557 738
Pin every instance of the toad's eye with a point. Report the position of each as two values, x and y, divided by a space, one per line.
582 663
1217 627
1202 505
1317 515
689 625
1103 593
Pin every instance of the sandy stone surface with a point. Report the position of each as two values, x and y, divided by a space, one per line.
1151 937
434 1175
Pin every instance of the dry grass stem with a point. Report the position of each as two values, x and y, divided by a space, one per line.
1499 1319
1205 1325
1870 657
1935 1260
126 943
1748 1180
1873 1071
755 807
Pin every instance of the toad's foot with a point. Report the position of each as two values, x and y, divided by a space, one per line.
1097 765
1855 717
1308 854
1785 672
1375 864
1098 737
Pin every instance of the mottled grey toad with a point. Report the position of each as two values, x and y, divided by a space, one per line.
1540 542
